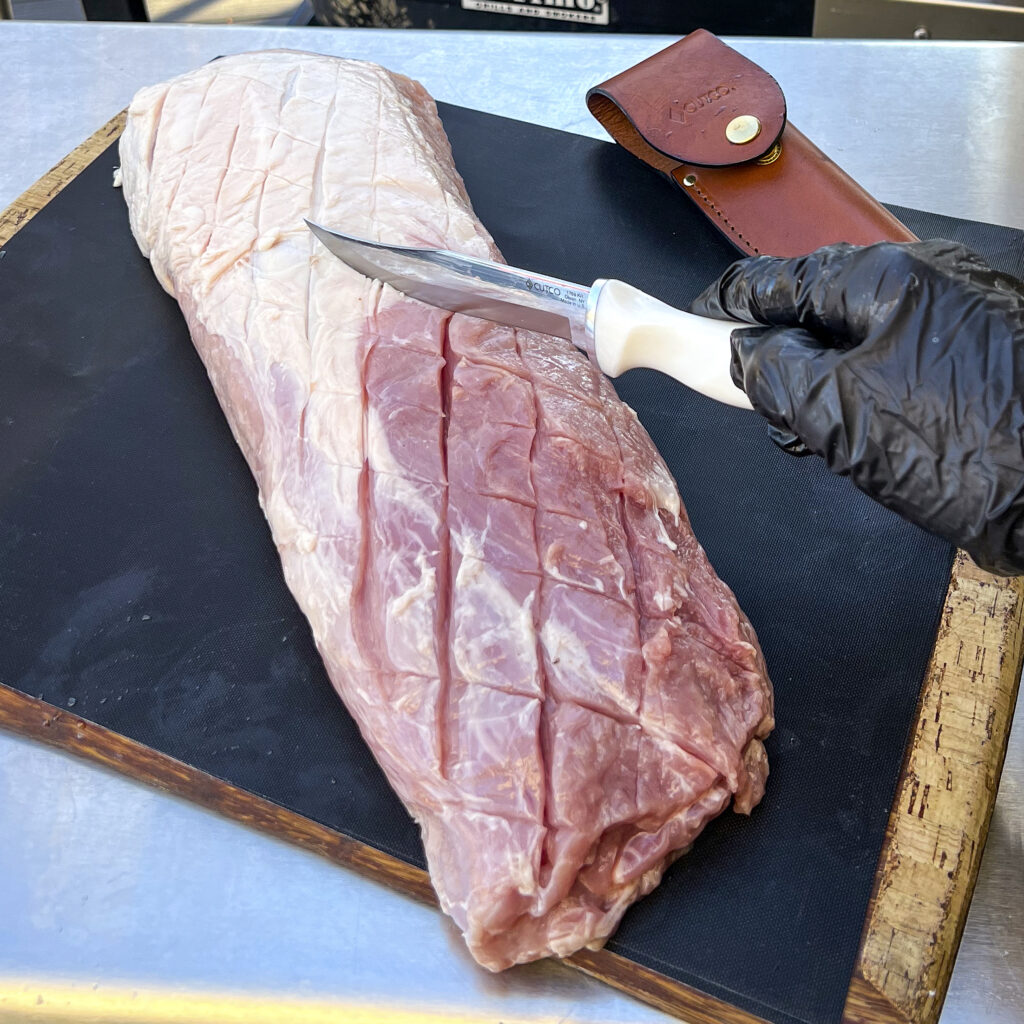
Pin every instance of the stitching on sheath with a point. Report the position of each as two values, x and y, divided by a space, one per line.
710 204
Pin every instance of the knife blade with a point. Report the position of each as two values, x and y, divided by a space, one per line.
463 284
620 326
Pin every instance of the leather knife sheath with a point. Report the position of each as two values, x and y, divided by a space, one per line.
715 124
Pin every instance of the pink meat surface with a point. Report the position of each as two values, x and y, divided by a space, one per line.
492 556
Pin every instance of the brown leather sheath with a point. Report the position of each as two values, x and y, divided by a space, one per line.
715 124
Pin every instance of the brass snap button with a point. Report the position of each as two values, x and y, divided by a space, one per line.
743 129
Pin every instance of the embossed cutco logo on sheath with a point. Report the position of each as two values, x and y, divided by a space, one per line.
682 111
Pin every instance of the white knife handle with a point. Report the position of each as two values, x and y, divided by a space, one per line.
630 328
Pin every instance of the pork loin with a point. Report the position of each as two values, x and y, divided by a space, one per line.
492 556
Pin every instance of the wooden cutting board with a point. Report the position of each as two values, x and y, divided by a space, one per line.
936 830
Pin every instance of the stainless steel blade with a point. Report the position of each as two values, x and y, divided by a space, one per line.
463 284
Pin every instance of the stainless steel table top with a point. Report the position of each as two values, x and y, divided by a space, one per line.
102 910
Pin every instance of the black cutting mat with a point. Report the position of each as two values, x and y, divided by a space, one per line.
139 585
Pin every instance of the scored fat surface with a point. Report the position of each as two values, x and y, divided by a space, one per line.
492 556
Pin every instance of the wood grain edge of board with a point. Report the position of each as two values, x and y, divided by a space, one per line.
940 817
34 198
659 991
927 869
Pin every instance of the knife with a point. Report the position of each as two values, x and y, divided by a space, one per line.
618 325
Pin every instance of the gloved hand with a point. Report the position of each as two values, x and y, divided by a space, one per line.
902 365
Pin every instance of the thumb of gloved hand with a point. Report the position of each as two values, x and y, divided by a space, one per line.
787 374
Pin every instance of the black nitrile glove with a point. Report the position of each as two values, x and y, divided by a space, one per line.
902 365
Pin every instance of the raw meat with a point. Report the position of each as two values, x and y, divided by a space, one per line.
492 556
